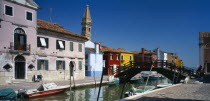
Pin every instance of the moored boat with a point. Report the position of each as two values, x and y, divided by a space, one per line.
137 90
161 85
115 82
136 80
45 90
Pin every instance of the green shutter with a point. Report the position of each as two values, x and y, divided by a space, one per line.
80 47
46 64
38 64
63 65
80 65
57 64
71 46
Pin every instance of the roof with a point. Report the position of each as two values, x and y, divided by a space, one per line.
91 49
107 49
54 27
140 52
204 34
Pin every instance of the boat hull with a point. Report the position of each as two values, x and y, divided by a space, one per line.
46 93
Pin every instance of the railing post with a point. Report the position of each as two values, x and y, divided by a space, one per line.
162 63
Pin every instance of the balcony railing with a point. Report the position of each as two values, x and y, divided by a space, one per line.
16 47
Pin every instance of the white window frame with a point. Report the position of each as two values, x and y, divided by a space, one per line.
61 44
117 57
111 56
122 57
26 15
12 10
131 58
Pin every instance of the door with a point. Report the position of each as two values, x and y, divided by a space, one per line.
19 67
208 67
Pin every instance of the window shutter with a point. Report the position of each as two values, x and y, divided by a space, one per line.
57 45
38 64
38 42
64 45
63 65
57 64
71 46
46 64
80 47
47 42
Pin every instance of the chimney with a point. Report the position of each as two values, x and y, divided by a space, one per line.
97 46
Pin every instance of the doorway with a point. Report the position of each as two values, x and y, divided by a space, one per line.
208 67
19 67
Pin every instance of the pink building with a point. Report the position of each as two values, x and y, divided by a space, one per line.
31 47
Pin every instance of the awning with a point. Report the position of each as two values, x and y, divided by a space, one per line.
61 44
43 42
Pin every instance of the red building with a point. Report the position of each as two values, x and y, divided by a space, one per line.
145 56
111 58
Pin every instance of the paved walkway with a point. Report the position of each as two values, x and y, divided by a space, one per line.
179 92
35 85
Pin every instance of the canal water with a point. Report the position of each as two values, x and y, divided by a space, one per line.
90 93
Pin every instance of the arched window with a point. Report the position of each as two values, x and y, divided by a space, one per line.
19 39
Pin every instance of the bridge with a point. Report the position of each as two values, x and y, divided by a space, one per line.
169 70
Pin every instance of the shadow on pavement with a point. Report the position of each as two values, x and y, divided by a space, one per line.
162 99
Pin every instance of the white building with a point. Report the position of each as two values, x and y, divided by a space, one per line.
161 55
93 58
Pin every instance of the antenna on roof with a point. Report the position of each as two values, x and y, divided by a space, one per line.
50 14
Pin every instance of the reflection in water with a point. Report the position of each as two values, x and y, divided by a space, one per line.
108 93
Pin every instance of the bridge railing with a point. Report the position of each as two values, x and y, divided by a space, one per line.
156 64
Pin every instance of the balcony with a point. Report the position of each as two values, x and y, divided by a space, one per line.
19 48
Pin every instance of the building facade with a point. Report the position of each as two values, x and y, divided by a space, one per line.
35 47
145 56
126 58
111 58
204 51
161 55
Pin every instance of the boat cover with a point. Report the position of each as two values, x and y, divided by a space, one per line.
7 93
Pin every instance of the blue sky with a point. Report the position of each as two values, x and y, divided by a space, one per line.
171 25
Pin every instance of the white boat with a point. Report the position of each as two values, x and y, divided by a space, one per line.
161 85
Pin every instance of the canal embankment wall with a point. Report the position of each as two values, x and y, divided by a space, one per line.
88 81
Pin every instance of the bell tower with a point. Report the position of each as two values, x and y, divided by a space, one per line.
86 23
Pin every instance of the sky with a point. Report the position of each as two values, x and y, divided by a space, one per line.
171 25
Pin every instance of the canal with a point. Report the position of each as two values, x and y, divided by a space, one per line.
90 93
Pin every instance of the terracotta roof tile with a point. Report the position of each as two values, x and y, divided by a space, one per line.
91 49
107 49
57 28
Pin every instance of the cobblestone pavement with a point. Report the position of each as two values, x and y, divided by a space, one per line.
35 85
183 92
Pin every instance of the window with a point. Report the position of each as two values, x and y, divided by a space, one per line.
60 65
86 56
131 58
111 57
29 16
89 29
42 64
80 65
80 47
117 57
71 46
42 42
86 67
60 44
8 10
122 57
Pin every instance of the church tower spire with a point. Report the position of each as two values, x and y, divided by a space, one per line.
86 23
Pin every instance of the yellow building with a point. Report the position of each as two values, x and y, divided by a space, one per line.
178 62
125 58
